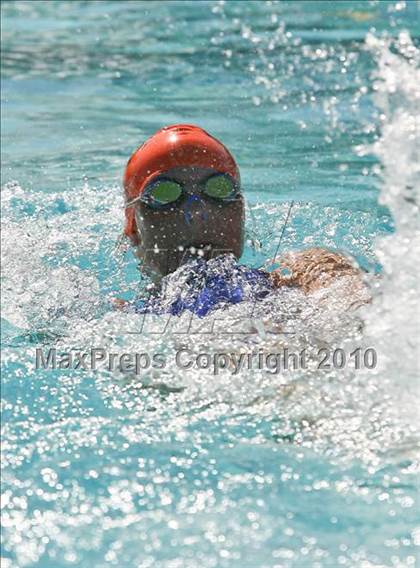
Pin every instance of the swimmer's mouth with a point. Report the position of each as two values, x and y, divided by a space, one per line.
195 250
201 250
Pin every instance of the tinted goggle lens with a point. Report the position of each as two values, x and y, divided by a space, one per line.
219 187
164 192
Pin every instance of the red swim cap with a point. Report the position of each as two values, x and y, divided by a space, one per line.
171 147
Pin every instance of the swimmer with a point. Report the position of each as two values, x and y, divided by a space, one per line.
184 207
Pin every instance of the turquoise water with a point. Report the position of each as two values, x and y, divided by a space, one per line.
181 468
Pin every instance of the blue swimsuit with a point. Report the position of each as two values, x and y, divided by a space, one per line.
201 286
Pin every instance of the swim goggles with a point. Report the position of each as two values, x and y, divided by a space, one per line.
162 192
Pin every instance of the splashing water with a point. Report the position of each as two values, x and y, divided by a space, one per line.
394 316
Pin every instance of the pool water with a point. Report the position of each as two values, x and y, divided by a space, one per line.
205 465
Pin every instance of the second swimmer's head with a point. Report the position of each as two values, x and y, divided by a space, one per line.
183 197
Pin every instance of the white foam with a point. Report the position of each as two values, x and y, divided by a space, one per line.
393 320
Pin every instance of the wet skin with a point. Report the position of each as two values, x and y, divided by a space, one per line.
164 236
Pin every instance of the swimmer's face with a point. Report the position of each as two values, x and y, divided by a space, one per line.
205 227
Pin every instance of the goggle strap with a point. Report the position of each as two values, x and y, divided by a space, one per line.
133 201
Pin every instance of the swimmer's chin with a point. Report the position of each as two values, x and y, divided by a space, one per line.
159 263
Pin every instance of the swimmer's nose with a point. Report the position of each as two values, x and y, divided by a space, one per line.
195 209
